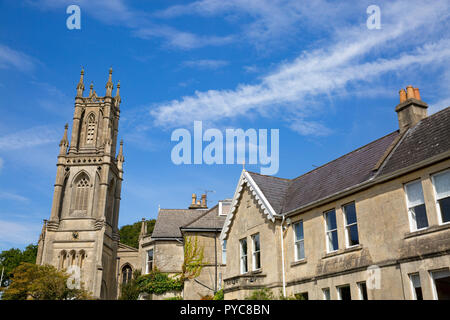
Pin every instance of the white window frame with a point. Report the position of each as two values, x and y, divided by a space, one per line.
437 198
224 251
411 284
412 221
330 231
433 284
347 226
256 252
147 260
324 290
297 242
243 256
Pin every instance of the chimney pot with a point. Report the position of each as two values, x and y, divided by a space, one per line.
402 95
204 200
194 198
417 93
409 92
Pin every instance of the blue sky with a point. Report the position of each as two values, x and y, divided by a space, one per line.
311 69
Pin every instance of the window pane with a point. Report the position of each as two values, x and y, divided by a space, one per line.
257 262
442 184
417 288
414 193
331 220
353 239
420 216
244 247
256 245
444 205
363 290
299 231
350 213
344 293
333 241
326 294
300 250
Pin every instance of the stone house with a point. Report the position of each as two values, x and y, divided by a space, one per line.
372 224
164 248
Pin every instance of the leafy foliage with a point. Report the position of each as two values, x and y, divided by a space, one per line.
34 282
129 234
12 258
174 298
193 258
158 283
219 295
263 294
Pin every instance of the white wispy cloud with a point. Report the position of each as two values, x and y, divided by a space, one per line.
13 59
354 56
205 63
31 137
12 196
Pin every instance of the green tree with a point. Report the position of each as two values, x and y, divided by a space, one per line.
34 282
129 234
12 258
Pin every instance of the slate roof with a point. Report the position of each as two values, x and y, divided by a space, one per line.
208 220
169 221
430 137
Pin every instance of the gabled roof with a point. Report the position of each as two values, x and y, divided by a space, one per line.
169 222
208 220
427 139
123 247
246 179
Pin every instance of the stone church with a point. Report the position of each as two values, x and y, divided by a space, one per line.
83 226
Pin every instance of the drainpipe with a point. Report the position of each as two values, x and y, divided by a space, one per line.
282 257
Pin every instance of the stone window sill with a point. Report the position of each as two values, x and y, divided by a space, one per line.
427 230
342 251
299 262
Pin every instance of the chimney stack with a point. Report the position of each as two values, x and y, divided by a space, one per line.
411 108
204 201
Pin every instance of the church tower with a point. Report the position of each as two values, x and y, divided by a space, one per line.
83 227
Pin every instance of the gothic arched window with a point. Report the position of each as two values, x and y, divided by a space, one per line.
62 259
72 257
90 129
81 258
126 274
81 193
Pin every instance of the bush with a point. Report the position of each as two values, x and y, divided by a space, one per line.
158 283
219 295
130 290
174 298
263 294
